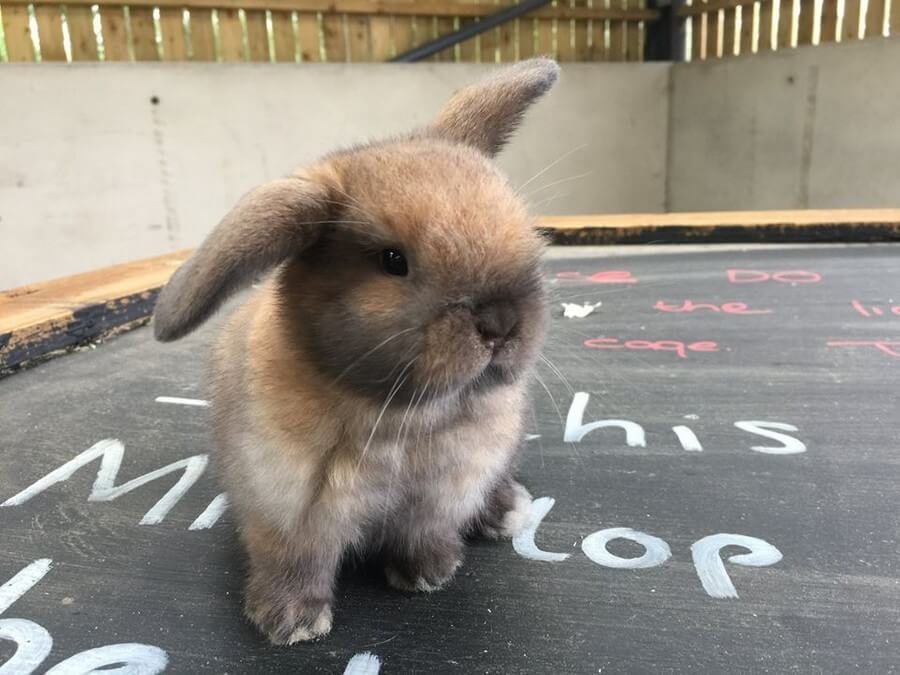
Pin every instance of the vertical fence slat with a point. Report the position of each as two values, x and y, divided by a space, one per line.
632 34
521 39
308 35
503 38
565 37
203 42
698 41
80 22
598 41
231 35
489 44
608 35
544 29
782 27
257 35
875 19
380 36
445 27
360 38
582 43
701 27
17 33
616 36
729 33
850 28
478 53
807 25
746 37
143 34
427 26
507 42
525 32
333 33
828 22
784 23
50 34
895 17
115 33
766 16
712 34
401 29
171 25
283 37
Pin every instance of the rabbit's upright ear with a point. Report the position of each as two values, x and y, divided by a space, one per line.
267 226
486 114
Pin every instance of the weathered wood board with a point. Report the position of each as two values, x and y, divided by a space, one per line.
724 344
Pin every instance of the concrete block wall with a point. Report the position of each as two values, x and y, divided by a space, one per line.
109 162
816 127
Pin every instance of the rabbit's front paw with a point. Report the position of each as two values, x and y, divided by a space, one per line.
507 511
286 617
427 570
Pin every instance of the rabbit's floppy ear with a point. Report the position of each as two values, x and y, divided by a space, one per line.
268 225
484 115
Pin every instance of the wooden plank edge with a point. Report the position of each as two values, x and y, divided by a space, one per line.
45 319
88 325
765 233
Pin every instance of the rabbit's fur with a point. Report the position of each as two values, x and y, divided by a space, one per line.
361 410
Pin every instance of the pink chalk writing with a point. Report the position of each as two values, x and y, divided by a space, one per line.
602 277
889 347
737 276
689 306
678 347
874 310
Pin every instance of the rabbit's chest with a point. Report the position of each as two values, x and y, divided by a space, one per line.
459 463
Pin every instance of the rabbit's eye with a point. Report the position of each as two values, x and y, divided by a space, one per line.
394 262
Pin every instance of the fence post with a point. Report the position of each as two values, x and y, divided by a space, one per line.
665 36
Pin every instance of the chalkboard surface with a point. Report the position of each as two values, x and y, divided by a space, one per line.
723 423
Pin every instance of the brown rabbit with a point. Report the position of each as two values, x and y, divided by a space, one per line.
369 396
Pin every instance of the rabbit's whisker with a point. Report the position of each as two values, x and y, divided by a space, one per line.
547 200
549 166
370 352
539 439
398 384
556 371
558 413
558 182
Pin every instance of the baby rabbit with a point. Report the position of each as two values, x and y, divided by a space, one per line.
368 398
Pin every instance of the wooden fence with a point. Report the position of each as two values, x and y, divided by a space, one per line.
721 28
312 31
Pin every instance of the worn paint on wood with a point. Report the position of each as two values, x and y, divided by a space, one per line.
42 318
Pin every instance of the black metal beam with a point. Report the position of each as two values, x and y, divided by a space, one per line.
469 30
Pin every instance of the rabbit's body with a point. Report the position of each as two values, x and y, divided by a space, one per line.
369 397
292 443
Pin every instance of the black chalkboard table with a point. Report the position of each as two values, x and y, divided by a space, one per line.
714 453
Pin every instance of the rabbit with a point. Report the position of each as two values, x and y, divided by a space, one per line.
367 399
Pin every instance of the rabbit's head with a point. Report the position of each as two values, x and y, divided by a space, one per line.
406 268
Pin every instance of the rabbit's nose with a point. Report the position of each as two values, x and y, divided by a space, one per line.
495 322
